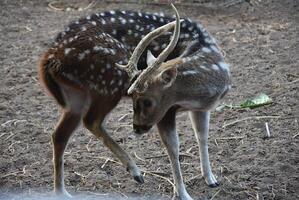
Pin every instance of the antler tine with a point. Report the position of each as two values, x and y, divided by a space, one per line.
162 57
131 67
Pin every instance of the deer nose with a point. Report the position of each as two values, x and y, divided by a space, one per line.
140 129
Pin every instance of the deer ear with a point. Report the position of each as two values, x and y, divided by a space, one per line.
150 59
168 76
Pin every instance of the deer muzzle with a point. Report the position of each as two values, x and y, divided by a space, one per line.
140 129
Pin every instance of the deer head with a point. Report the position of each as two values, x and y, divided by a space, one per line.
148 90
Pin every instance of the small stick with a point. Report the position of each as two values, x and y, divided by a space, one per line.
138 157
87 145
162 177
89 5
192 178
295 136
144 171
97 194
50 5
267 129
106 161
215 194
123 117
231 138
216 142
164 155
249 118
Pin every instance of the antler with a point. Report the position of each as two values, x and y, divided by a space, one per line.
131 67
140 81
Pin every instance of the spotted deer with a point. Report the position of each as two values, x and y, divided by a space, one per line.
90 67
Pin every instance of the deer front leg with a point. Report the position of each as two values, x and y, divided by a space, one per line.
169 136
200 123
123 156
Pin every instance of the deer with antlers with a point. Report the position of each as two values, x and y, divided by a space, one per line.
84 71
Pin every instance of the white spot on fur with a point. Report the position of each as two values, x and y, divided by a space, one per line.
156 48
97 48
94 23
67 51
83 28
223 65
88 17
81 56
214 48
112 19
112 12
113 52
204 67
206 50
190 72
92 66
120 82
131 20
103 21
215 67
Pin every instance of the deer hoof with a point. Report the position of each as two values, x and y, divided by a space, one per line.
63 194
139 179
213 185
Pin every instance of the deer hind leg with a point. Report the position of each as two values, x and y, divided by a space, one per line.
169 136
69 121
200 123
93 122
67 124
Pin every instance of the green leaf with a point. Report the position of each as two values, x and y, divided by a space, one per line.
260 100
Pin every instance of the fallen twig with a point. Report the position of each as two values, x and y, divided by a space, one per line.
250 118
215 194
230 138
52 6
135 154
123 117
144 171
157 175
164 155
267 130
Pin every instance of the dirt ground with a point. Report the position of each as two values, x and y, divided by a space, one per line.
260 41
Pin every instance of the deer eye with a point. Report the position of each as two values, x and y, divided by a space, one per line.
147 103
